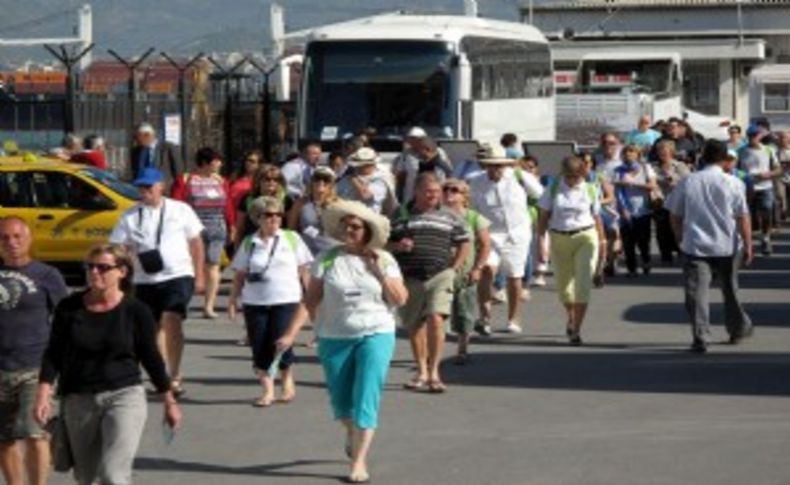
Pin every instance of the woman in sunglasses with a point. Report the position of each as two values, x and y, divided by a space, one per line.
305 215
353 291
270 267
268 181
464 315
99 339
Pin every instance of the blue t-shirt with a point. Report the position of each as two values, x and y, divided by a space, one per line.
642 139
28 296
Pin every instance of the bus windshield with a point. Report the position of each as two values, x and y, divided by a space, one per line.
638 76
386 85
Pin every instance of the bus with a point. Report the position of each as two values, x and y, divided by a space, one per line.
457 77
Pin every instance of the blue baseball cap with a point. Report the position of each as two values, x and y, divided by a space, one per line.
148 177
753 130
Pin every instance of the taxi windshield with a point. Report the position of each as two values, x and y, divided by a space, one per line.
111 181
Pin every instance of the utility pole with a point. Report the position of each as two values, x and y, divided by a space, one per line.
131 89
69 60
227 119
182 96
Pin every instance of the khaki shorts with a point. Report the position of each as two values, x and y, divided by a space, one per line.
17 399
431 297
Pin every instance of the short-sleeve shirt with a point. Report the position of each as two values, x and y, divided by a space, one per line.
635 200
572 208
676 171
504 203
277 260
643 139
756 161
28 296
709 202
138 228
208 198
435 233
353 303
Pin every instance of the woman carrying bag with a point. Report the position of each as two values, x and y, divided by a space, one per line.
100 337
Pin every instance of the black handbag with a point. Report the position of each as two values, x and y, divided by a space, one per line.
59 446
151 261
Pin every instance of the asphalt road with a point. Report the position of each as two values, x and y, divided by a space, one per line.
630 407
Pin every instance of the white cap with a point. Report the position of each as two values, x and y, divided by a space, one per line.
146 128
417 132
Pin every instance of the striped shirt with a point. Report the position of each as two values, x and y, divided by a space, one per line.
436 234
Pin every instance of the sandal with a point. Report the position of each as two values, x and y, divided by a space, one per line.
416 384
436 387
262 402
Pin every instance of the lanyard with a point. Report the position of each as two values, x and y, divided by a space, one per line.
161 222
268 262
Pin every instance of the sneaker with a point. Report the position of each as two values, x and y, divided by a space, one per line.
738 338
698 347
499 296
513 327
766 248
525 295
539 281
483 328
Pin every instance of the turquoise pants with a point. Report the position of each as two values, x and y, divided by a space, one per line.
356 370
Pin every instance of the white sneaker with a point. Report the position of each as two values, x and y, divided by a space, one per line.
525 295
499 296
513 327
539 280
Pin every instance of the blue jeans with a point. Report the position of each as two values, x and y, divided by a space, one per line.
266 324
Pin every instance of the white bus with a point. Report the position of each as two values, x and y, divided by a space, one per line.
457 77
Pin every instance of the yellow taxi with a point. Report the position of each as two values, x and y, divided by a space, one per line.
69 207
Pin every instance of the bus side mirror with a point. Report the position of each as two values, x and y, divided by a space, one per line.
464 78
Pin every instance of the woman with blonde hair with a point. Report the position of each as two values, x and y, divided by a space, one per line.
100 337
464 314
269 181
570 212
305 215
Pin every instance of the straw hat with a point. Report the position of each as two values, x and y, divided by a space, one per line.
363 156
332 217
494 155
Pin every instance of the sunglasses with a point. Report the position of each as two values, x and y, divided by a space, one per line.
100 267
452 189
271 179
269 215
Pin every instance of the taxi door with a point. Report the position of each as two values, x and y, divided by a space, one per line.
70 216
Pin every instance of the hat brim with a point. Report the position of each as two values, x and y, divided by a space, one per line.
497 161
332 217
362 163
145 182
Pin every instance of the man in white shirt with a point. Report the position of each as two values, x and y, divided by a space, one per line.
501 197
759 161
367 184
607 157
708 212
165 237
298 171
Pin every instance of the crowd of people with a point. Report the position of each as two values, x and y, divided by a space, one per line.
351 247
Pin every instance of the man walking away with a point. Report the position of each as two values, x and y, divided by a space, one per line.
29 291
707 208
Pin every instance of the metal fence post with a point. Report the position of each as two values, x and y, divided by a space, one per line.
69 60
182 97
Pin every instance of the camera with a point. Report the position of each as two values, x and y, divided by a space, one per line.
255 278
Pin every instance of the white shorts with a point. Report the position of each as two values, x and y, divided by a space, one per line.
509 258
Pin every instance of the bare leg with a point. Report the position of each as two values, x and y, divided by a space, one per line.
288 385
267 384
484 292
171 343
571 321
580 310
435 324
513 299
418 338
361 440
212 288
11 463
37 460
463 343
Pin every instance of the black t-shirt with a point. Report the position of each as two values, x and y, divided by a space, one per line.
94 352
28 296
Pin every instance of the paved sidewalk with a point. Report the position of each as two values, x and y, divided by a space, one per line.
630 407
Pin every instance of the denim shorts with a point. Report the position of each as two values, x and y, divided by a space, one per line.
17 398
763 201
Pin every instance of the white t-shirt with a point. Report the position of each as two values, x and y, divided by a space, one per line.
138 228
353 304
571 207
281 283
757 161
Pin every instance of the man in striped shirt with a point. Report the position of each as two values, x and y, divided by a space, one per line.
430 244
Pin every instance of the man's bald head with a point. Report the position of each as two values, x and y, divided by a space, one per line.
15 241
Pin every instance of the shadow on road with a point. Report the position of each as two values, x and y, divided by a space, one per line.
629 371
762 314
285 469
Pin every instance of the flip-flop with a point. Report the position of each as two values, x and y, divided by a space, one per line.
436 387
286 399
416 384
